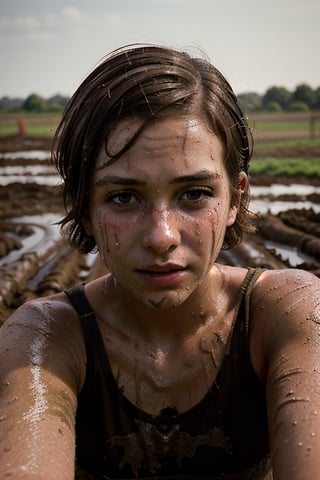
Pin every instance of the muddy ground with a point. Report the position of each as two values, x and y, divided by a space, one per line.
35 260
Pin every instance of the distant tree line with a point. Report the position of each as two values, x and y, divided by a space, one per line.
33 104
275 99
280 99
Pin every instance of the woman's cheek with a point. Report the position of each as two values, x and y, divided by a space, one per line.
106 237
109 235
217 232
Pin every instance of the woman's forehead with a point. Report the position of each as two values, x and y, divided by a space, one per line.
159 136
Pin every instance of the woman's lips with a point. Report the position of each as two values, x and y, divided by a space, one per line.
162 275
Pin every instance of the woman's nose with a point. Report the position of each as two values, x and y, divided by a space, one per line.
161 233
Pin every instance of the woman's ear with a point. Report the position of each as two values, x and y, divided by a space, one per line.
233 211
244 182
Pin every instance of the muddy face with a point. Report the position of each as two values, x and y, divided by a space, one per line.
159 213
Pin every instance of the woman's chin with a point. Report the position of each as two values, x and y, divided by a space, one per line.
165 301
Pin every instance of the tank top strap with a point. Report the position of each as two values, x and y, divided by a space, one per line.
79 301
247 287
242 314
91 331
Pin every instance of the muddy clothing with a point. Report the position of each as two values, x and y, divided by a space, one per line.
225 436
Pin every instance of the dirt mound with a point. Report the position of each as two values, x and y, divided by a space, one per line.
17 143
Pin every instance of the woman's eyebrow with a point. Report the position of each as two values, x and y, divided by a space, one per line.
194 177
197 177
115 180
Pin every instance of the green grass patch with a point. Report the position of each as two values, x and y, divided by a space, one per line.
287 143
291 167
280 126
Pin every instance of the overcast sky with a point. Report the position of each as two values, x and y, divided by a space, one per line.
48 47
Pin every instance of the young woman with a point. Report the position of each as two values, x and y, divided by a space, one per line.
171 365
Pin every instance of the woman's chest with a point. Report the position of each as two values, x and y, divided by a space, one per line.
176 375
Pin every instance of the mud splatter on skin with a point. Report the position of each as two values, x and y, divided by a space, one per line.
104 237
37 390
62 409
157 305
315 314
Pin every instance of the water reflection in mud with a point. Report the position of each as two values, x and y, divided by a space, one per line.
264 198
291 254
26 155
50 180
39 170
264 205
44 231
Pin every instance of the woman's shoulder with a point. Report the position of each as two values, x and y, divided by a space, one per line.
282 304
282 299
49 325
270 284
43 312
278 284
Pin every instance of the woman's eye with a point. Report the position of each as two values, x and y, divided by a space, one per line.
197 194
121 198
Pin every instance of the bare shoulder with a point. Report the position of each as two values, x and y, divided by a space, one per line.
283 289
49 324
284 313
45 314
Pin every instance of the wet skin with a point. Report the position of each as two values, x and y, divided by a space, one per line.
159 213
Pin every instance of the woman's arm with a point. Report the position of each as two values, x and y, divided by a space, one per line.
286 312
41 361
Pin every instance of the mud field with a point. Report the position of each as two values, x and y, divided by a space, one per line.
35 260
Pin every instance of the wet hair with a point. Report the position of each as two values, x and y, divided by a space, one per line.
147 82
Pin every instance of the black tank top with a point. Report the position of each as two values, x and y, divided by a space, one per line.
225 436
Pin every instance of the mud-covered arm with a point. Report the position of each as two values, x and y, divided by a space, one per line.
286 307
40 372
